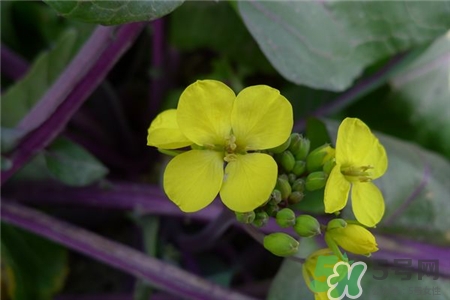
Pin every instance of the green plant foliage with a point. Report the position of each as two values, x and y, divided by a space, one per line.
113 12
36 268
73 165
327 45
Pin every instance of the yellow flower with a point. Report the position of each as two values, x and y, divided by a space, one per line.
223 129
353 238
360 158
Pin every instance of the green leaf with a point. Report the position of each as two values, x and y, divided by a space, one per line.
317 133
22 96
36 268
327 45
114 12
415 189
421 94
73 165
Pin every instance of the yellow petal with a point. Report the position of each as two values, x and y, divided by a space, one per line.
204 112
367 203
355 239
261 118
336 191
192 179
248 182
357 146
164 132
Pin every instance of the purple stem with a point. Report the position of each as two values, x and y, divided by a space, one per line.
13 65
50 128
157 83
360 89
164 276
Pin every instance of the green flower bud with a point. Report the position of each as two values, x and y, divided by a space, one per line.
261 219
336 223
291 178
272 208
316 180
307 226
247 217
276 196
286 160
295 139
282 147
329 165
302 148
317 158
285 218
284 187
299 167
295 197
298 185
281 244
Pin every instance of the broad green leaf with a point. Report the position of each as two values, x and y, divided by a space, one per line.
71 164
22 96
421 94
36 268
415 189
113 12
327 44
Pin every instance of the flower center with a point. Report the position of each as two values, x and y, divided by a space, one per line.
357 174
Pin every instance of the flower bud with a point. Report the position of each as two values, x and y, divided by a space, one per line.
281 244
299 167
271 208
261 219
284 187
329 165
276 196
316 180
318 157
298 185
286 160
353 238
307 226
295 197
291 178
336 223
299 146
246 218
285 218
282 147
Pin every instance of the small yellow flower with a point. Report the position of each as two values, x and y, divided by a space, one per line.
360 158
222 128
353 238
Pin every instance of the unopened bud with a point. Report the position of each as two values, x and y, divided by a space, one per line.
285 218
281 244
272 208
284 187
301 148
298 185
317 158
295 197
276 196
299 167
286 160
316 180
246 217
307 226
282 147
329 165
336 223
261 219
291 178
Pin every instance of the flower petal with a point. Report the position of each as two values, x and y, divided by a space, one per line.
355 239
357 146
336 191
164 132
367 203
204 112
192 179
248 181
261 118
